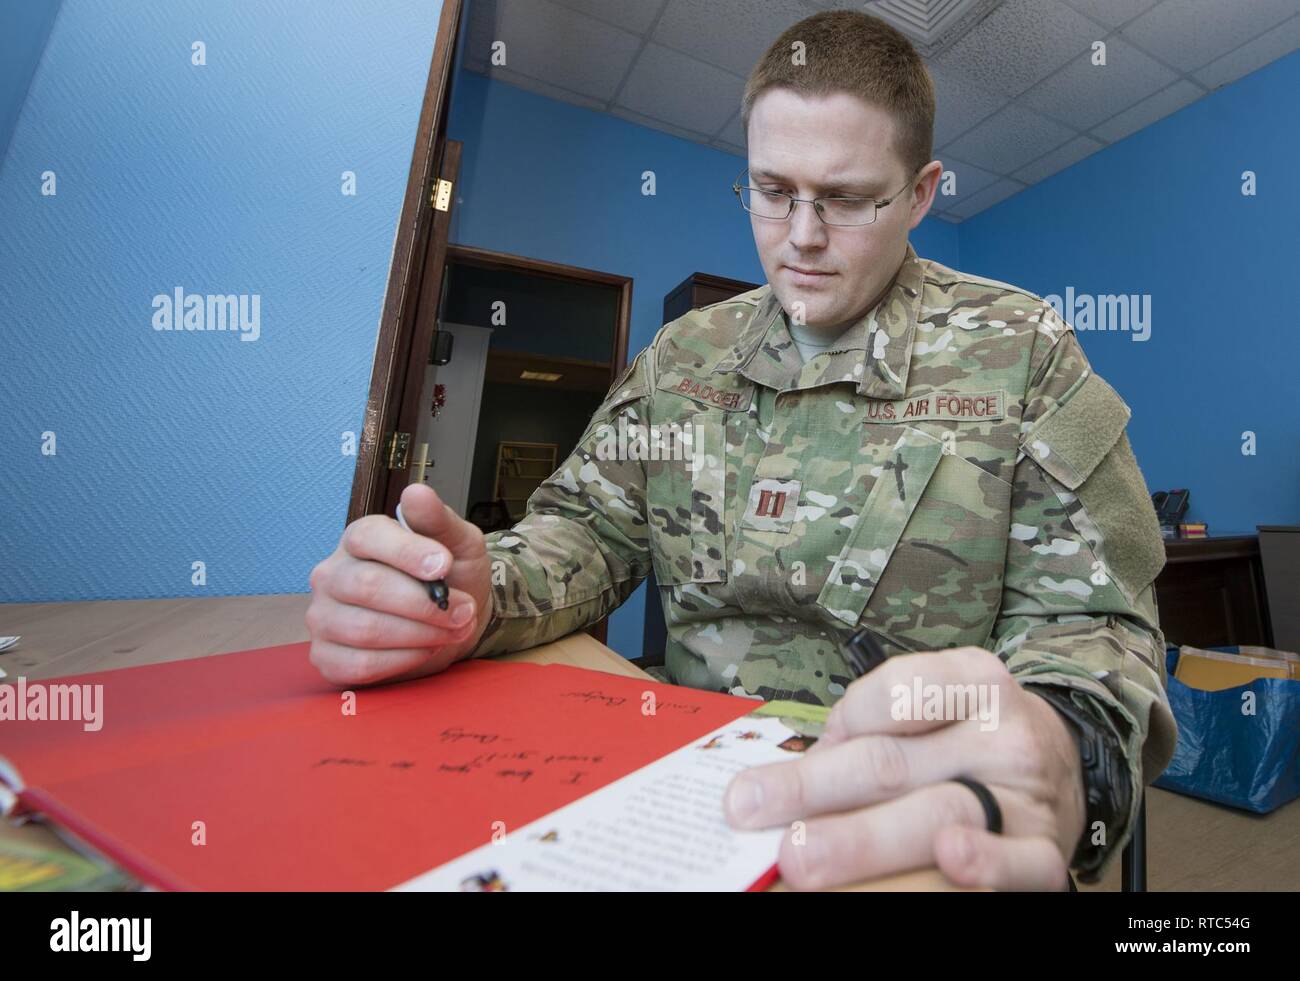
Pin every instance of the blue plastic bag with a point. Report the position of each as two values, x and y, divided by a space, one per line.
1224 755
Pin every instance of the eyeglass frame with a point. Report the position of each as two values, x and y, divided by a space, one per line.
737 187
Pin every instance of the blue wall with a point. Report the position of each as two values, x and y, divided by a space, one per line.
176 447
24 28
575 198
1162 213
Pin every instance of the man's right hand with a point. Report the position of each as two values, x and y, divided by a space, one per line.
371 618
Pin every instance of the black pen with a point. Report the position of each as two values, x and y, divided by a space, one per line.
864 652
437 587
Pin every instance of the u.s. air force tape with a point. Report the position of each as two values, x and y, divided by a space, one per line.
959 406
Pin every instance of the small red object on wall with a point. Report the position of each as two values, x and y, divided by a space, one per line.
439 398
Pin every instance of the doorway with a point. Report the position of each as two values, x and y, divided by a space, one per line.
407 431
535 347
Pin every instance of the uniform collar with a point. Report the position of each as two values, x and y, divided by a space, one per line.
874 353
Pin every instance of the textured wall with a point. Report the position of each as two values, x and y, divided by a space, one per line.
24 28
176 447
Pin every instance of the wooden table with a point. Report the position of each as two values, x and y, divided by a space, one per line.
75 638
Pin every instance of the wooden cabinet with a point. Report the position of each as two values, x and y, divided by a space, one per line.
699 290
1211 592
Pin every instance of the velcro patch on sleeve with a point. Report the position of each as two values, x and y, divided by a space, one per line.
1071 439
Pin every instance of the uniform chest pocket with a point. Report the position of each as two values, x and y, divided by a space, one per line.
889 507
687 502
926 560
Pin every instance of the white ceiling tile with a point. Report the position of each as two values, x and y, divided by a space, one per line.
968 180
959 104
636 16
1189 34
551 43
1010 139
1112 13
986 198
1083 94
1148 111
732 34
667 85
1252 55
1020 43
1058 159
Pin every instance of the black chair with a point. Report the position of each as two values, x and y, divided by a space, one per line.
1133 860
1133 869
489 516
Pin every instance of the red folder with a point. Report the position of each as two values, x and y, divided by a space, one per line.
254 754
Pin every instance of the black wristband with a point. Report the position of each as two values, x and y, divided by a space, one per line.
1107 793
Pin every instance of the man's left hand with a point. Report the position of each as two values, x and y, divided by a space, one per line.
874 796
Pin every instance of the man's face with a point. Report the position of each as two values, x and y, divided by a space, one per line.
833 144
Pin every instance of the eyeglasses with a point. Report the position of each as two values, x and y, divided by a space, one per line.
831 209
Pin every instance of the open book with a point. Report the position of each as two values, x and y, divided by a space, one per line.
248 771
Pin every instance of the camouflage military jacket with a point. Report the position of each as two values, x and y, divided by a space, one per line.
951 473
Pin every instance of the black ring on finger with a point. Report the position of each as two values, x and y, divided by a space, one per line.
992 813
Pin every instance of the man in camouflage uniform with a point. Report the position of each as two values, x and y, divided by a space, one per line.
948 473
953 474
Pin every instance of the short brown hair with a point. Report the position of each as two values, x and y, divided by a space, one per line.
849 51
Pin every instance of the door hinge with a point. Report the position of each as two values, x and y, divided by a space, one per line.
440 195
396 450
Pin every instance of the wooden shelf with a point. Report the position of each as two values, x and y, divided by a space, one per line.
522 467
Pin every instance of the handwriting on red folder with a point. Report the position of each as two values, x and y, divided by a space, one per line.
244 771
